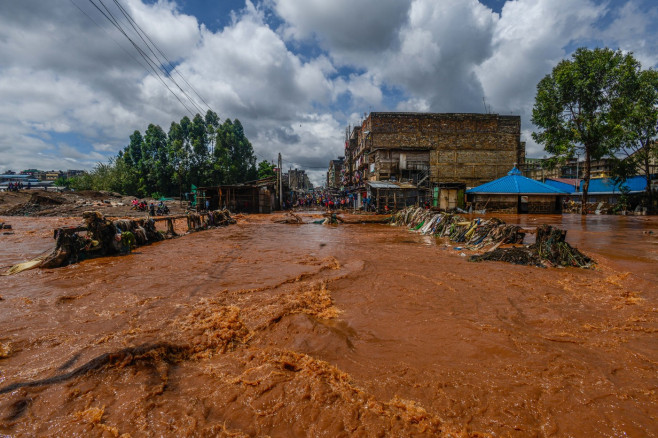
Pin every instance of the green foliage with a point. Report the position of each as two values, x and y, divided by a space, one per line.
200 151
640 121
265 169
624 199
63 181
579 107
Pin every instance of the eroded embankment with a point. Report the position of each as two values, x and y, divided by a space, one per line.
286 330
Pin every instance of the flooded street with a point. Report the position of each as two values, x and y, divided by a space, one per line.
353 330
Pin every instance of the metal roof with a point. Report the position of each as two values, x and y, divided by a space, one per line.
573 181
607 186
514 183
16 176
382 185
564 186
390 185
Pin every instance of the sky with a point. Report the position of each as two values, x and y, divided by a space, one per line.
296 73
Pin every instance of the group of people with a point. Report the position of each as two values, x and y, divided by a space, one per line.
140 205
161 209
331 202
16 186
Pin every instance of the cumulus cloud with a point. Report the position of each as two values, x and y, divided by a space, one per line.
64 73
633 30
529 40
440 47
430 49
363 89
347 29
73 89
253 76
68 75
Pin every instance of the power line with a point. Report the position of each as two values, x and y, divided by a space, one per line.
153 63
171 65
142 54
149 62
111 37
168 73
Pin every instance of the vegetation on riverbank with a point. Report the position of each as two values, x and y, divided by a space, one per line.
200 151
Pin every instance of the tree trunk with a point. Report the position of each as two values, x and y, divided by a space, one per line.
648 176
583 209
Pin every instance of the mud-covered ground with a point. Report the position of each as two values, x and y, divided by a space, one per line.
287 330
70 203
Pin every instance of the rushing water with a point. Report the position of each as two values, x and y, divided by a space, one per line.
308 330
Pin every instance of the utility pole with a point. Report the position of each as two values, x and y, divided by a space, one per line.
280 183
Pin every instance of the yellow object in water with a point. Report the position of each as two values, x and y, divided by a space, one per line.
20 267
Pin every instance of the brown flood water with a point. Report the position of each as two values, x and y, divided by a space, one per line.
354 330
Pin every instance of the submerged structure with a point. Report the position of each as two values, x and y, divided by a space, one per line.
481 234
101 236
514 193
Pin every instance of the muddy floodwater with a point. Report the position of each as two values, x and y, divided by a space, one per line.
267 329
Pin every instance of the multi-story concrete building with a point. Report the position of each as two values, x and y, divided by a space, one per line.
334 175
298 180
432 148
49 175
542 168
351 143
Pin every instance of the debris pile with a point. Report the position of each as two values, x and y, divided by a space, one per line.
101 236
290 218
104 237
219 218
38 201
551 246
473 234
549 249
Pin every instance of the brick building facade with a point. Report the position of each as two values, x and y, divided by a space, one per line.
434 148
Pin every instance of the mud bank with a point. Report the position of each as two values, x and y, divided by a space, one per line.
308 330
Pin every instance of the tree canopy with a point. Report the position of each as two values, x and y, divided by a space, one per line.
200 151
579 106
638 146
265 169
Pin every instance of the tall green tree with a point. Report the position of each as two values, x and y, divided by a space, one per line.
212 123
241 161
639 117
265 169
133 152
155 161
576 104
198 137
200 151
178 156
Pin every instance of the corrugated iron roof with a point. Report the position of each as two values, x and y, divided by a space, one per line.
605 186
383 185
390 185
514 183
